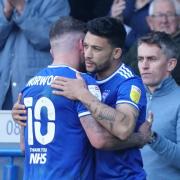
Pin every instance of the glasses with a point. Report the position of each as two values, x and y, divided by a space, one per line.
167 16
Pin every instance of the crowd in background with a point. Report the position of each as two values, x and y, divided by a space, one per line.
25 49
24 30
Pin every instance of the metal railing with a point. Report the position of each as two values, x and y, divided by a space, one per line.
9 146
10 170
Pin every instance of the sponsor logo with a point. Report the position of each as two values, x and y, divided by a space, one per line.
94 89
38 155
135 94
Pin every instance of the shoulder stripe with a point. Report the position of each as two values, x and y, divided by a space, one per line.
124 71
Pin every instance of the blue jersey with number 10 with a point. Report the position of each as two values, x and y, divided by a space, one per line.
56 146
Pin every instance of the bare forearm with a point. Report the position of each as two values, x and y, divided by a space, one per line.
134 141
100 138
116 122
119 121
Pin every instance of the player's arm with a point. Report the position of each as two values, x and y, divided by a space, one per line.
19 116
100 138
120 121
19 112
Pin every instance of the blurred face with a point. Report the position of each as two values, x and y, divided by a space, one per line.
153 65
164 18
98 54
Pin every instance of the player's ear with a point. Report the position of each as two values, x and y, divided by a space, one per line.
117 53
150 22
172 64
52 54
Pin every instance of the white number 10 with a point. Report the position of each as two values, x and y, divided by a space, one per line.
42 102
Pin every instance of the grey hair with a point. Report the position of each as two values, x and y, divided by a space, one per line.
163 41
177 6
151 7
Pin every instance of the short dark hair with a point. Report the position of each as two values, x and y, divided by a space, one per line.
65 25
163 41
109 28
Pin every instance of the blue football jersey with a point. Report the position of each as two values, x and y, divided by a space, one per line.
56 146
122 87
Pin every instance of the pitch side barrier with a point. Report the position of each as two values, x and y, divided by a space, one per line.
9 145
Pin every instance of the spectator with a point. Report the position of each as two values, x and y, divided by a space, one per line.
117 10
157 57
24 42
162 17
133 13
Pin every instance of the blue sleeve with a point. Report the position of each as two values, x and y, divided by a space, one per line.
81 109
94 89
37 18
132 91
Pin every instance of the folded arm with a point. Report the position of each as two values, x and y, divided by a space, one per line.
100 138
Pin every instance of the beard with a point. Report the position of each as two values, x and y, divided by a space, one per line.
98 69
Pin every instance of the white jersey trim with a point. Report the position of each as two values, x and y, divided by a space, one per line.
128 102
125 72
122 70
83 114
62 65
